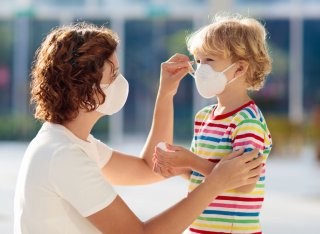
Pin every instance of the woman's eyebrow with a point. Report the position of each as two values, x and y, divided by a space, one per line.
116 70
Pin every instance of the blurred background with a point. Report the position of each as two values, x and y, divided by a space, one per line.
151 31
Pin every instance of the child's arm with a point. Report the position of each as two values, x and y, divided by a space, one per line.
179 157
248 188
250 134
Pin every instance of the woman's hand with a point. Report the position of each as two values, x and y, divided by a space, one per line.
233 171
172 72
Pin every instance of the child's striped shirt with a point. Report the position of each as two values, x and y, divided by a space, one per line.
216 137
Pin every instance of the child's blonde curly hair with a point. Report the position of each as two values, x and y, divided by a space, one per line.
238 38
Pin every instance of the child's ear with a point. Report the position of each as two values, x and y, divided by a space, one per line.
242 68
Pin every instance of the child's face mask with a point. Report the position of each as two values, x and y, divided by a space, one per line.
116 96
209 82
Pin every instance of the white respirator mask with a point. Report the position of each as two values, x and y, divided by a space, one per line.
209 82
116 96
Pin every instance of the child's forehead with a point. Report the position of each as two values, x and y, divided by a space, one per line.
202 54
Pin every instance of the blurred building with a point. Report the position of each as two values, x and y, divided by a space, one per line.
150 32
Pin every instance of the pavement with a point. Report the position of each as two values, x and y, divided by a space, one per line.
292 201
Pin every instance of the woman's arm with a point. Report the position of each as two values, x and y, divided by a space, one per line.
136 170
161 130
123 169
231 172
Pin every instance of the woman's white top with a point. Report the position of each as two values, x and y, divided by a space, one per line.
60 183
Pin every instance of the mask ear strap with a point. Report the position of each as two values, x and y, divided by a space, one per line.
192 75
233 79
228 68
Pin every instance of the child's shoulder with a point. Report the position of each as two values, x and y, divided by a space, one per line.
248 113
205 111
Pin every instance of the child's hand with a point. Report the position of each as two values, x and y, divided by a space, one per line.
173 161
167 171
175 156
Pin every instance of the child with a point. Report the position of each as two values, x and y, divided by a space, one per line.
232 58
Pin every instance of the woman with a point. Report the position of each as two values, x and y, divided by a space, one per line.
64 185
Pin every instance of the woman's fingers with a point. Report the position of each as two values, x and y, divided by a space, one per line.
234 154
173 67
249 156
256 171
253 180
254 163
178 58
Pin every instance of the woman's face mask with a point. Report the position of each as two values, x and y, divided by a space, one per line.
209 82
116 96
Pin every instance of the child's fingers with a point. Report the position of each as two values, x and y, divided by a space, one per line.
167 157
162 163
159 150
163 153
173 147
163 171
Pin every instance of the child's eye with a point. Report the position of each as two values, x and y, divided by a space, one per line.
198 61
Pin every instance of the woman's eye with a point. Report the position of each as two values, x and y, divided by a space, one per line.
209 60
114 76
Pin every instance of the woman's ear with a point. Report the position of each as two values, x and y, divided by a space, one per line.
242 67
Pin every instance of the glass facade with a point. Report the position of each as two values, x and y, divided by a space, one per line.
149 39
274 96
311 64
6 48
147 44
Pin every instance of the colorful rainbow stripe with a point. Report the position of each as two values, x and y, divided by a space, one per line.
214 138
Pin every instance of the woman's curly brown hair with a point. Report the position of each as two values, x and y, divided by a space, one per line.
67 71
